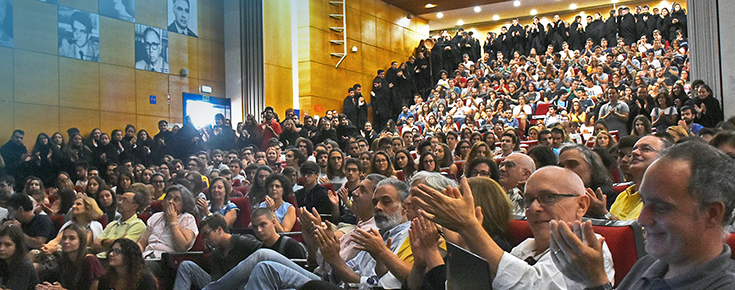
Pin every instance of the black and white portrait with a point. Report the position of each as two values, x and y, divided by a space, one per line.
182 17
79 34
120 9
6 23
151 48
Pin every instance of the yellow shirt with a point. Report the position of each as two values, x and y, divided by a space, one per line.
628 205
405 253
132 229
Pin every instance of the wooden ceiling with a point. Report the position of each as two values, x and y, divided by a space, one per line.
417 6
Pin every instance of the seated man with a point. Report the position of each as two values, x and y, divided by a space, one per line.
231 249
628 205
314 195
551 193
127 226
266 269
37 228
514 171
688 196
262 220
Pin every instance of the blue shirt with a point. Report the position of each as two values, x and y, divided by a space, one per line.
281 211
224 209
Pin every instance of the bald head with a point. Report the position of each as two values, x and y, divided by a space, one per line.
523 161
561 179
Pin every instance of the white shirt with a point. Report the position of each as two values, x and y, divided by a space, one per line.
514 273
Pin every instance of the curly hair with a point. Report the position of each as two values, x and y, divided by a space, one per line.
133 261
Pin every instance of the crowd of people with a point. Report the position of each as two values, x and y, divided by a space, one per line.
579 131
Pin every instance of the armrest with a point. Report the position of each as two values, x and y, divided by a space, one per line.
172 260
291 233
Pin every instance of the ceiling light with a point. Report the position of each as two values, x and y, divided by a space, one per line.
439 15
572 6
460 22
478 9
614 1
496 17
404 22
516 3
429 5
534 12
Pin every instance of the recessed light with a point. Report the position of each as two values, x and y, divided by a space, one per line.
534 12
478 9
614 1
439 15
429 5
496 17
516 3
460 22
572 6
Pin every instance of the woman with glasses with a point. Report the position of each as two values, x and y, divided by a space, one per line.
427 162
174 228
462 150
126 268
380 164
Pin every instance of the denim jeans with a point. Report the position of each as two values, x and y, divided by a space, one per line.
274 275
190 274
238 277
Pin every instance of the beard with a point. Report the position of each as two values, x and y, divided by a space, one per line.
386 222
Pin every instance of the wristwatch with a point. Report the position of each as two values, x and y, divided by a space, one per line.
606 286
608 215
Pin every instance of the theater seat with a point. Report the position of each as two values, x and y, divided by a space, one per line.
620 188
399 174
156 206
57 220
731 243
144 216
460 166
103 221
243 217
624 238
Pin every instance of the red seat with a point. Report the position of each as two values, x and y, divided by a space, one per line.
460 166
399 174
499 160
103 221
620 188
328 186
541 109
731 243
57 220
615 134
144 216
156 206
52 198
625 242
243 217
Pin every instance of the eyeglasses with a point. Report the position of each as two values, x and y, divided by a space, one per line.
507 164
645 149
429 161
116 251
151 45
482 173
545 199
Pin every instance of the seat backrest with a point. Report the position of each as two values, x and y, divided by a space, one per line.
103 221
57 220
625 242
620 188
144 216
198 243
399 174
542 108
731 243
156 206
243 217
460 166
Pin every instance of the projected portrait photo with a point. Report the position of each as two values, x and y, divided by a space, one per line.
151 48
79 34
182 17
6 23
120 9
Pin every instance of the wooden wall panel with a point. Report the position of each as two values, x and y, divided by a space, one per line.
368 29
369 54
211 20
354 23
117 90
84 120
177 86
211 61
117 42
152 13
36 78
396 39
34 119
36 26
147 84
86 5
6 75
112 120
381 10
304 43
187 55
278 91
79 84
149 123
277 37
6 121
383 33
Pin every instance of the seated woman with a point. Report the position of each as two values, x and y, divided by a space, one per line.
16 269
126 268
444 159
174 229
427 162
107 202
76 269
462 150
278 186
85 213
380 164
605 140
219 201
94 186
404 161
